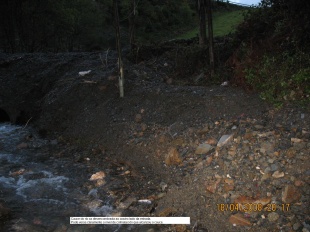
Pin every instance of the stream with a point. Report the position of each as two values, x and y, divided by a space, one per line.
43 192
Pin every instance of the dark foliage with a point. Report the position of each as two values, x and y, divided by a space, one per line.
274 49
75 25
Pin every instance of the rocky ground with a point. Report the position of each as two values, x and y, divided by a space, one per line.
216 154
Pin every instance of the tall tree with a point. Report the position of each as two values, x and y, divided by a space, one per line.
201 4
119 50
210 36
8 24
132 16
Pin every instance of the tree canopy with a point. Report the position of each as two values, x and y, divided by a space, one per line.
68 25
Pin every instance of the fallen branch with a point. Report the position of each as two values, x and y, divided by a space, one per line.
27 123
106 57
89 82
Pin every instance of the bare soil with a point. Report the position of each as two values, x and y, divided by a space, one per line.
129 138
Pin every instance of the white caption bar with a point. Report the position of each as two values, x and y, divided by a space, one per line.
129 220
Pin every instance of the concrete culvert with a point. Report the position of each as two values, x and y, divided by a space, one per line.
4 117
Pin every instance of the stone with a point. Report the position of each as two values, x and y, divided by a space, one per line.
224 140
54 142
248 136
211 141
296 226
83 73
173 157
100 183
228 185
163 186
167 212
160 195
143 127
97 176
272 217
18 172
125 204
178 142
259 127
300 146
276 153
163 139
211 187
138 118
243 200
169 81
290 153
265 134
203 149
204 130
306 224
102 87
267 147
209 160
274 167
180 228
296 140
267 170
232 151
199 165
265 176
22 145
299 183
238 219
278 174
97 203
4 212
290 194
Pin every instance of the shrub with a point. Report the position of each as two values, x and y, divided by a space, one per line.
281 77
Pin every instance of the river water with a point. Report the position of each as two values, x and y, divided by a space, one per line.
42 191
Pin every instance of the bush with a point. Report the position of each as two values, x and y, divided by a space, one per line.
281 77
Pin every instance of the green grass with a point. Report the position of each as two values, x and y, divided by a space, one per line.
223 24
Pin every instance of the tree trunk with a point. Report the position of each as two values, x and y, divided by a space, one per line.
202 21
132 16
119 50
210 36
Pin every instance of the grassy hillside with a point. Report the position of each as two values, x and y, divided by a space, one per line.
223 23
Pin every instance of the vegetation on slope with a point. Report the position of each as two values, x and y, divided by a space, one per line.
273 52
224 22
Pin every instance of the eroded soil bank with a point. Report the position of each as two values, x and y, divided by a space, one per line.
162 142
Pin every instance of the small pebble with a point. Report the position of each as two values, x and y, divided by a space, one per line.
272 217
296 226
